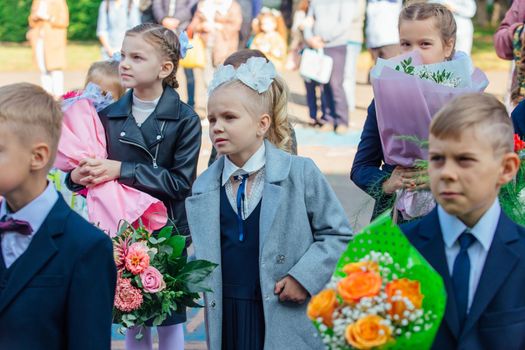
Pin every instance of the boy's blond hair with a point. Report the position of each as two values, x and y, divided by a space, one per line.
31 114
105 74
481 111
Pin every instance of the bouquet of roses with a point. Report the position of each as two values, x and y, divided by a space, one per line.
154 276
383 294
512 195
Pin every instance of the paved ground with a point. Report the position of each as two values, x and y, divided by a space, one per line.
332 153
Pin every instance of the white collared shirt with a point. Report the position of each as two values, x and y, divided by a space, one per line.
484 231
35 212
254 165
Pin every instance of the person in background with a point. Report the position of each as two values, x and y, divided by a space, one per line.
463 11
353 50
508 42
248 14
114 18
48 22
218 22
146 11
270 36
330 32
382 36
176 15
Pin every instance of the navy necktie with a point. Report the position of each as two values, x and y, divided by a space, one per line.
461 275
12 225
241 197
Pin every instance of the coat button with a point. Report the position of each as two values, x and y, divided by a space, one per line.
123 134
159 137
212 304
281 259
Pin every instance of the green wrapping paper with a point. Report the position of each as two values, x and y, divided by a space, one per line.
383 236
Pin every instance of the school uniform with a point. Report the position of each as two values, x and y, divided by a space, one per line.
491 315
301 231
57 281
369 170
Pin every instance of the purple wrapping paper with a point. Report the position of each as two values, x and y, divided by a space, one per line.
405 105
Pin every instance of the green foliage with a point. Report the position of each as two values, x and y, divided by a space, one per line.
83 16
13 19
14 14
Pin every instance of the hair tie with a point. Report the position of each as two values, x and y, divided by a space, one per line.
116 57
184 44
257 73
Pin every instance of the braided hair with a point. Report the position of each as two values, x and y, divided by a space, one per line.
166 42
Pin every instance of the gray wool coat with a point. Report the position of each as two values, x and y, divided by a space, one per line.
303 231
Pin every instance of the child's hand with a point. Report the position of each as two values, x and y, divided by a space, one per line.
411 179
100 171
289 289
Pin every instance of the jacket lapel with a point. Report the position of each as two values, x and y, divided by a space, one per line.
501 260
41 249
432 247
277 169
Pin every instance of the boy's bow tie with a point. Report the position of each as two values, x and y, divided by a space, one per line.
12 225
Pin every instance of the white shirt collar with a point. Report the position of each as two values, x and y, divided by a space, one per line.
484 230
255 163
36 211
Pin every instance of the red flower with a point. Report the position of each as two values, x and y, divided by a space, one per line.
70 94
518 143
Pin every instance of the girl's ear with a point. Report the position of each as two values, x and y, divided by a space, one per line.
166 69
265 121
449 47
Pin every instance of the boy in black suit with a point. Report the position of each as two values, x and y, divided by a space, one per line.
57 274
477 249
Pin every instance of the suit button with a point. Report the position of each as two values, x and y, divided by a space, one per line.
159 137
123 134
281 259
212 304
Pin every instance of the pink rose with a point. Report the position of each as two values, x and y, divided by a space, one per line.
137 258
152 280
127 297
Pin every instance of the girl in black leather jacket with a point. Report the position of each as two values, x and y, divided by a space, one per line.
153 141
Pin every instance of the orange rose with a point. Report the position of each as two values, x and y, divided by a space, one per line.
323 305
367 333
361 266
408 289
358 285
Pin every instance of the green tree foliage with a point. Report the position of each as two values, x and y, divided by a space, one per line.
82 19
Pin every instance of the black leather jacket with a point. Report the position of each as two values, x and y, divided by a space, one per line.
159 158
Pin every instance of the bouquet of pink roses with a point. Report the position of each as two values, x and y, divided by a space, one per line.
154 276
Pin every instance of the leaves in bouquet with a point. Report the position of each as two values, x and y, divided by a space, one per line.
194 275
178 243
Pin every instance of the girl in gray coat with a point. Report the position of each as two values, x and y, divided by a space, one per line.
267 218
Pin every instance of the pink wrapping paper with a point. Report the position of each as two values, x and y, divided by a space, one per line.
111 202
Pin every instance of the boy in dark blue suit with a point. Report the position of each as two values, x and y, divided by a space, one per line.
477 249
57 274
